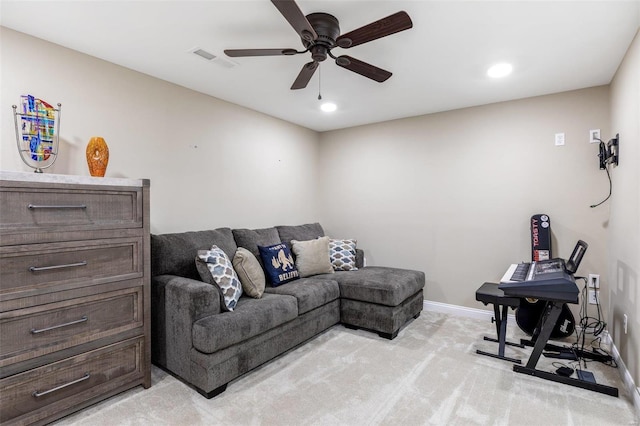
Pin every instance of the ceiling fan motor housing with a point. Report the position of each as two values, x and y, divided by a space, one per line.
327 28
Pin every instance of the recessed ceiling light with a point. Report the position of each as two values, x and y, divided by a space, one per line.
500 70
328 107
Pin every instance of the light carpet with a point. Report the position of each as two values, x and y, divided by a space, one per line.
429 375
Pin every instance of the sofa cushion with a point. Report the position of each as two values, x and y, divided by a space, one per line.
377 284
215 267
278 264
306 232
312 257
250 272
250 318
311 293
252 238
342 254
172 254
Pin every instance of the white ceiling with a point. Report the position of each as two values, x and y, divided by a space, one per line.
440 64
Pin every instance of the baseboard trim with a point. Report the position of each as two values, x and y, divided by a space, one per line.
463 311
627 379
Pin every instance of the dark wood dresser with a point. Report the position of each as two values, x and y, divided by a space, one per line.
74 292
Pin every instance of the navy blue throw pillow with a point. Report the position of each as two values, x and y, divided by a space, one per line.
278 264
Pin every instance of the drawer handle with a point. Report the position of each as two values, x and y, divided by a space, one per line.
38 394
46 268
42 330
78 206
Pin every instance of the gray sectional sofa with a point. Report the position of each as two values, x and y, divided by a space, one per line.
197 340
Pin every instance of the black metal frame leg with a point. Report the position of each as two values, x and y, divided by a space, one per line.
501 330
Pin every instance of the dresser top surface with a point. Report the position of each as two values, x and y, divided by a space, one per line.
70 179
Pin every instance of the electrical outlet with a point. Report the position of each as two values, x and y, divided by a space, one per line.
559 139
594 136
594 281
594 297
624 323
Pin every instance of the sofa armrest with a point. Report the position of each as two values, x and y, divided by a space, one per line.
177 303
359 258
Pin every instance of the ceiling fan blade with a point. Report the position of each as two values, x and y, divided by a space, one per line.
386 26
292 13
363 68
259 52
305 75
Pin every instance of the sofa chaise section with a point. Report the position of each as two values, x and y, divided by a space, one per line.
374 298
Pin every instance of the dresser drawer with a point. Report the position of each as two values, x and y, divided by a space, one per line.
48 208
57 266
43 329
36 394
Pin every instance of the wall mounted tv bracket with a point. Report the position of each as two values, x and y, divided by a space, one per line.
609 153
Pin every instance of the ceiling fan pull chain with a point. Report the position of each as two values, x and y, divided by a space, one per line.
319 82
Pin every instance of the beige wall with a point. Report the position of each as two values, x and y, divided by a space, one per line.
624 224
248 170
451 194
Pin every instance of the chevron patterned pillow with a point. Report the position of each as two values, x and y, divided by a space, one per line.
343 254
219 270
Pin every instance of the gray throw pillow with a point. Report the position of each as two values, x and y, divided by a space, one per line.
250 272
312 256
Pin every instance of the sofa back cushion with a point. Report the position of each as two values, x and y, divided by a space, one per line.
252 238
174 253
310 231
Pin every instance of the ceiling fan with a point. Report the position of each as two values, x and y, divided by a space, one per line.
320 32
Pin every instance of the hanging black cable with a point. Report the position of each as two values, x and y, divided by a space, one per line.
606 169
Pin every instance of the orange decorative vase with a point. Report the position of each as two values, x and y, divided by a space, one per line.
97 156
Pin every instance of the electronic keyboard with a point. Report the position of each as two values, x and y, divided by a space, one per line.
546 280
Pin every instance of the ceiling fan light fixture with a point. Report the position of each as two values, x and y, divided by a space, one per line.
328 107
502 69
345 42
343 61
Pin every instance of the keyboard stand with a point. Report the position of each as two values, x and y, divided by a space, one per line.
490 293
550 317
